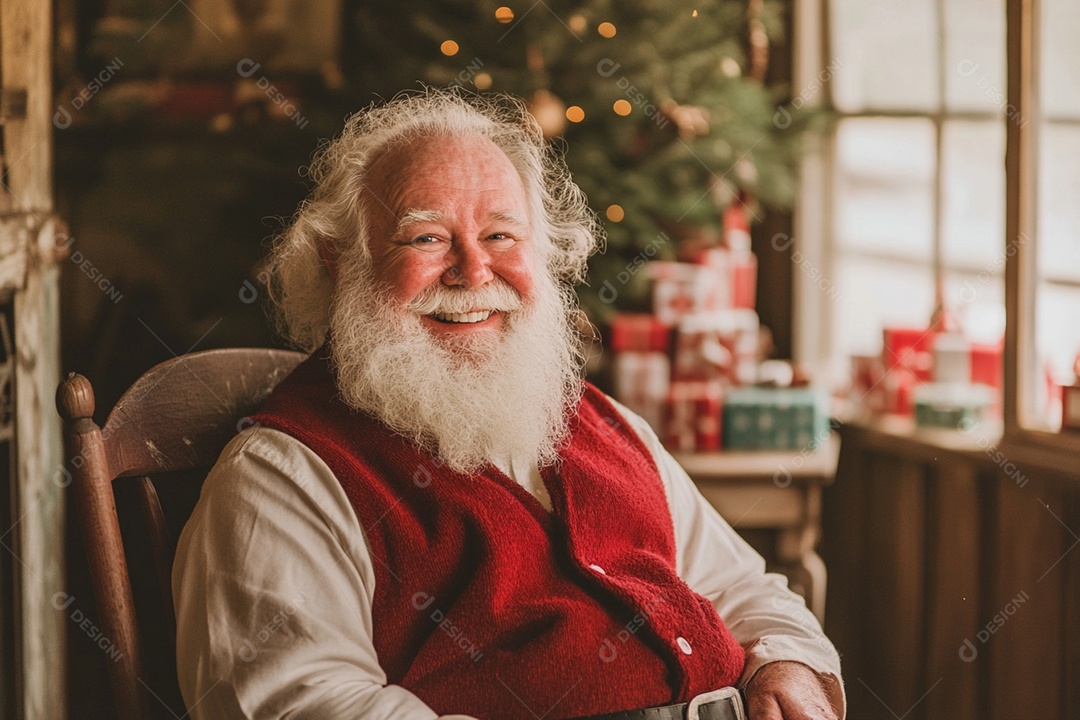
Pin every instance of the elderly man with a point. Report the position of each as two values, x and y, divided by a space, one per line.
434 515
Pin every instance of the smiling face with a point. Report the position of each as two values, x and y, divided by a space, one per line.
447 215
454 332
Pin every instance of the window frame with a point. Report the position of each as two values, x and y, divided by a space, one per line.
1056 450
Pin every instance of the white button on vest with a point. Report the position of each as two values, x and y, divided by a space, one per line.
598 569
684 645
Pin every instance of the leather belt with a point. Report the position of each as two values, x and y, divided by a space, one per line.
723 704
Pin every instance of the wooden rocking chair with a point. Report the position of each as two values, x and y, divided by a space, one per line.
164 435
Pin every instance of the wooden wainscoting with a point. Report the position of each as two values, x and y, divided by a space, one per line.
954 578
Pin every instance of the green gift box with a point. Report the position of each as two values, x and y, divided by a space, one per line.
762 418
961 406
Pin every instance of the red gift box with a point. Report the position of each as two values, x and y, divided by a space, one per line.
908 359
681 289
737 227
900 384
693 413
738 271
642 380
639 332
718 345
909 348
868 382
987 364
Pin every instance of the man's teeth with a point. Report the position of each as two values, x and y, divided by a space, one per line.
472 317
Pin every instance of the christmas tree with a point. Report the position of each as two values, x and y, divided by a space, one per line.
662 106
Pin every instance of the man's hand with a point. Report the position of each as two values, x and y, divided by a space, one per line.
787 691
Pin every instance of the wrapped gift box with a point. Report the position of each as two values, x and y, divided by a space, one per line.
642 381
868 383
987 364
909 348
692 418
738 271
722 345
952 358
639 332
759 418
681 289
960 406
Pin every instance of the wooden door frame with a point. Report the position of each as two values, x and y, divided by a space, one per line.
29 276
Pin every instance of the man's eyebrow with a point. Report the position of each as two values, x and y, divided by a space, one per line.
510 218
414 216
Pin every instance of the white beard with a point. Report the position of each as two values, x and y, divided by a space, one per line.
469 401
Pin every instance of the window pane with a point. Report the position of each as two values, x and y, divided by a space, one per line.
975 55
874 294
1060 61
973 187
977 301
1056 241
886 53
885 186
1057 343
1058 220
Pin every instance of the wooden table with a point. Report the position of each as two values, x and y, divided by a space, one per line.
774 500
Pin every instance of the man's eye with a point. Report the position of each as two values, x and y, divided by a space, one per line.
424 240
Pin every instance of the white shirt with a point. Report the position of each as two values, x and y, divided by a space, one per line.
273 586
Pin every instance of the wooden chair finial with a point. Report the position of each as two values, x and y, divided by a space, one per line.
75 398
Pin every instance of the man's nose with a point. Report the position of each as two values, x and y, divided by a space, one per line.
470 265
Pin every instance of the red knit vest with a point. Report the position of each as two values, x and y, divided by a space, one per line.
486 604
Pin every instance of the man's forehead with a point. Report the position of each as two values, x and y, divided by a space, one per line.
464 152
437 175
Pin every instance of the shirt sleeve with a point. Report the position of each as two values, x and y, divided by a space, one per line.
771 622
273 588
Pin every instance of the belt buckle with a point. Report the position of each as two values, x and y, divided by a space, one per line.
729 698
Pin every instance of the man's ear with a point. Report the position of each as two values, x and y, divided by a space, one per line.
329 253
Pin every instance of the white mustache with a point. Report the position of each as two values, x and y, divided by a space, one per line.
496 295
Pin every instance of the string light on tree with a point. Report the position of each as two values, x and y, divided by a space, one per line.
702 57
615 213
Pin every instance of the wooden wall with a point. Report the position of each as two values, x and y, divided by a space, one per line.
954 581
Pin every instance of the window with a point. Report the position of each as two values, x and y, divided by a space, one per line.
917 166
1053 295
911 195
1043 282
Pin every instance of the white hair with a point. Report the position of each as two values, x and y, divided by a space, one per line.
300 287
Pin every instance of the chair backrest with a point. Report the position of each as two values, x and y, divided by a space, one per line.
172 422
